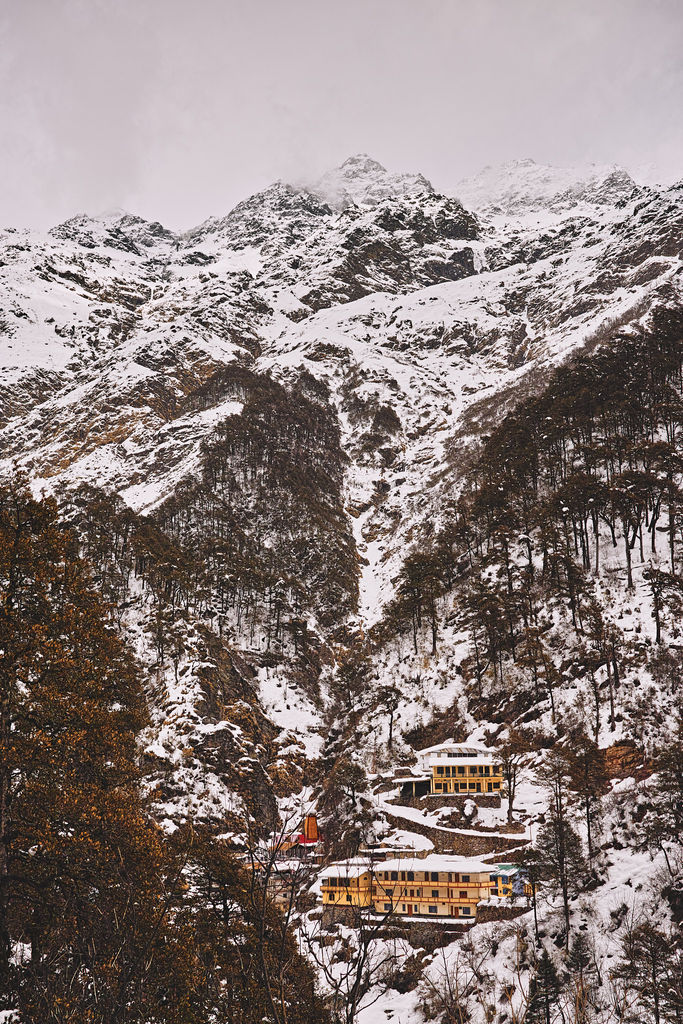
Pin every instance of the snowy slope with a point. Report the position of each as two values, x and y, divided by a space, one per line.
417 321
111 324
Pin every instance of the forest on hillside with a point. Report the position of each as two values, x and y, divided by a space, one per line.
119 902
104 916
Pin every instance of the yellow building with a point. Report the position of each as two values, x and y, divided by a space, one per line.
438 885
459 769
435 886
348 884
509 881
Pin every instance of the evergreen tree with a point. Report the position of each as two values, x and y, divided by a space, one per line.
651 970
557 844
545 989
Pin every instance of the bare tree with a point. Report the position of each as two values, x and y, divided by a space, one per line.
357 967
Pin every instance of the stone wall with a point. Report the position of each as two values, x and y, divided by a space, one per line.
433 801
421 934
500 913
463 845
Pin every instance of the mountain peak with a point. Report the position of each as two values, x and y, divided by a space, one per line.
361 163
115 228
362 181
525 185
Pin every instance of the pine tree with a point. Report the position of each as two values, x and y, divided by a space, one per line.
545 988
663 819
252 969
558 846
651 970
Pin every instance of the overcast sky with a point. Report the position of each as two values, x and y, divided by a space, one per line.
177 109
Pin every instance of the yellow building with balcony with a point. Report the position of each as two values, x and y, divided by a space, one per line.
510 881
438 886
461 769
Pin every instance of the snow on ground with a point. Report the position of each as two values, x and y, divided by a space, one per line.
290 709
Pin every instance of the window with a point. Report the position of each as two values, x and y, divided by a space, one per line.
465 878
411 876
403 876
403 908
439 770
435 894
486 770
387 906
416 908
412 892
466 910
461 769
463 895
496 785
348 899
433 910
418 892
394 876
435 876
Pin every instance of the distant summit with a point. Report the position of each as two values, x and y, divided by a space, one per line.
522 186
362 181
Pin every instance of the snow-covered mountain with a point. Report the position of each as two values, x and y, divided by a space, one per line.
362 181
524 186
253 423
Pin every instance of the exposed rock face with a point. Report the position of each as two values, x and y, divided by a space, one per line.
362 181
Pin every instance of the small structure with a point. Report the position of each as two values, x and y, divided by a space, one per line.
285 863
413 783
348 884
511 881
287 879
461 769
303 845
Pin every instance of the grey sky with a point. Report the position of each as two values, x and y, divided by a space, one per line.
176 109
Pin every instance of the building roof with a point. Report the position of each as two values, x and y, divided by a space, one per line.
436 862
352 868
506 869
463 749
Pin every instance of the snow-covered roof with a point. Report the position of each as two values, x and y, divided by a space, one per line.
294 865
353 868
462 753
436 862
412 775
